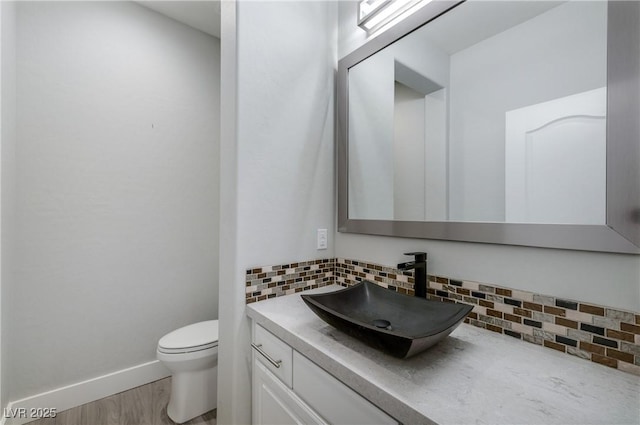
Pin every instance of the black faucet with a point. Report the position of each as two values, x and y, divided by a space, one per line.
420 276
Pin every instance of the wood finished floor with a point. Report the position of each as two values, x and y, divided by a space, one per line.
145 405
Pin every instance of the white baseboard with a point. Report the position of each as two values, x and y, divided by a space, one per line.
84 392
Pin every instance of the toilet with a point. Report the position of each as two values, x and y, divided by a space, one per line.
191 354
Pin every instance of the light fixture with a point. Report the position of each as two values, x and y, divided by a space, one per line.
374 14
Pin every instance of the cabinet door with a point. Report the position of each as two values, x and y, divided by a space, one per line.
332 399
274 403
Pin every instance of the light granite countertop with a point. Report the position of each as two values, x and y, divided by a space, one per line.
473 376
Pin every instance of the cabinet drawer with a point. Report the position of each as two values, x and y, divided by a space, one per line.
331 399
274 354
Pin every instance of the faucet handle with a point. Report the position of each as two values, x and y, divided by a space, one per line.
419 256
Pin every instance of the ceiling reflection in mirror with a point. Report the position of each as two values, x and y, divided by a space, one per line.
493 112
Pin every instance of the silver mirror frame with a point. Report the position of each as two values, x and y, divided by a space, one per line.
621 234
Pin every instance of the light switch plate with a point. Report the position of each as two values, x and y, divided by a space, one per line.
322 239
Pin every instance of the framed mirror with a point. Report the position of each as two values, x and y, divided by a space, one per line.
499 122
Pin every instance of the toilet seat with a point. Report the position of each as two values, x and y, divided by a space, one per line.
196 337
186 349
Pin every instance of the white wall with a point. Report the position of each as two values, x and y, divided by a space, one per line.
371 177
420 155
277 160
117 197
609 279
408 154
436 158
7 176
371 125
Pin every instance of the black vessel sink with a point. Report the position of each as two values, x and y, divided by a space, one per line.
397 324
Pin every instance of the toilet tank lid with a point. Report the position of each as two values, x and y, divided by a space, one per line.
201 333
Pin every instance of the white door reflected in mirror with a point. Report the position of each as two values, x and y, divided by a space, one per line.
556 161
494 112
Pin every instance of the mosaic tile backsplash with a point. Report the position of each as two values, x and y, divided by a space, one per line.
603 335
274 281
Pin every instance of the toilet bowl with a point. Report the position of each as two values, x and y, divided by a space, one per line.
191 354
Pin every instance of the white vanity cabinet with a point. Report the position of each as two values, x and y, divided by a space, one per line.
288 388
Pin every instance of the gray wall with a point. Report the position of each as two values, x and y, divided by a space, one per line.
116 190
609 279
277 164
